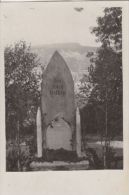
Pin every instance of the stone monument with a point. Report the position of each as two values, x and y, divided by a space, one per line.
58 106
58 121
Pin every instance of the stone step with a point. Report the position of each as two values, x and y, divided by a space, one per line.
59 165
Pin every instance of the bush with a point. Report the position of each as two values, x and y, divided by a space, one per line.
18 159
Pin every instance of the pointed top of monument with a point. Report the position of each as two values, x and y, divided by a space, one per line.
58 60
57 55
57 64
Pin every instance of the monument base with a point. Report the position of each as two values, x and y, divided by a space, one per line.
59 155
59 165
60 159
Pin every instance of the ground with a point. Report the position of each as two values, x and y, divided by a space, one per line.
95 148
94 142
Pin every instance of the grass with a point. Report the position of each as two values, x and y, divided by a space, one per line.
95 154
116 154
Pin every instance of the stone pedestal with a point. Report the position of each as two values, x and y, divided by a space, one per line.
59 165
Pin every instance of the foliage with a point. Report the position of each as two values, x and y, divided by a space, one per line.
11 158
21 85
94 161
18 158
92 119
85 88
105 73
109 29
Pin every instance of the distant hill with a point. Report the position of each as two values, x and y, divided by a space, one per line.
73 53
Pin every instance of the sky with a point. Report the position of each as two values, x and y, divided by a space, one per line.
48 23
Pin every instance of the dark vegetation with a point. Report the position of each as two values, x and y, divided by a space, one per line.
21 88
103 112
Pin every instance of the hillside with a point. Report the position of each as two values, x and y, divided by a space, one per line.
73 53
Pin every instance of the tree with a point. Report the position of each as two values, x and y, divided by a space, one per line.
109 29
21 85
105 72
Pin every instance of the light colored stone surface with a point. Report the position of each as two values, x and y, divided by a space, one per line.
59 135
59 165
39 134
78 133
57 101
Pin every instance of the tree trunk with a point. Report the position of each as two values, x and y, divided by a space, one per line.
106 134
18 144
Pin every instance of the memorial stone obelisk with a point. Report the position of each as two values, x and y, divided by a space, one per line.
59 126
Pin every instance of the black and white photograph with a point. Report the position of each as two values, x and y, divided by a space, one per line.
63 69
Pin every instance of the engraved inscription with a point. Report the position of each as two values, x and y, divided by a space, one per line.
57 87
